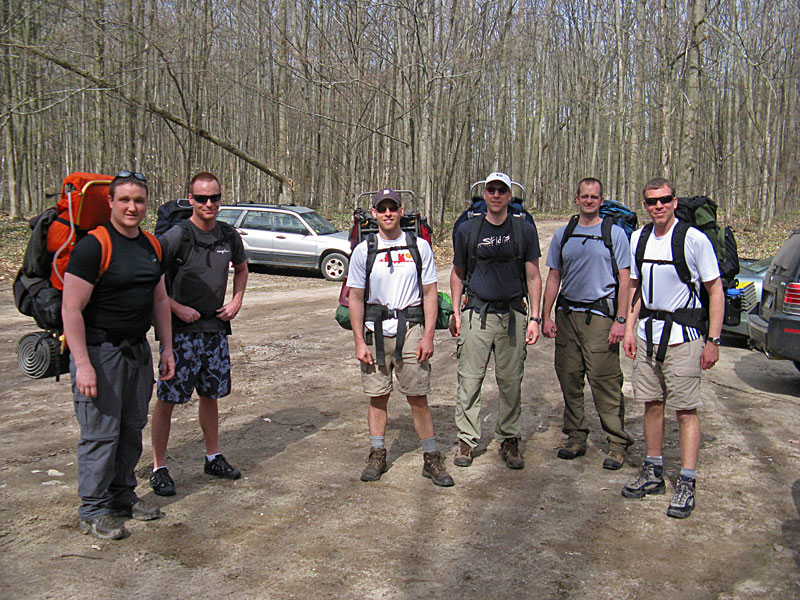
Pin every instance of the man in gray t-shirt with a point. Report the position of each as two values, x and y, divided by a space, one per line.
590 321
197 256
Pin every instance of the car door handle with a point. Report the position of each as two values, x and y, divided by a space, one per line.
241 232
281 237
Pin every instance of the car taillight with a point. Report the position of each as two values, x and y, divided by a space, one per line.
791 300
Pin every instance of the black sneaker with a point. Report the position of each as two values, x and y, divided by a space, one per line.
463 456
376 465
105 527
509 450
162 483
646 483
139 510
219 467
682 503
434 469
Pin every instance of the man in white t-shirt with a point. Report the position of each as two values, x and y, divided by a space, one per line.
680 336
393 306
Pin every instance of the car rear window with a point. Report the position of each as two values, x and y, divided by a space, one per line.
787 260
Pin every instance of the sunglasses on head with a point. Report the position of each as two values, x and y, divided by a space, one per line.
654 201
491 189
202 199
129 174
382 208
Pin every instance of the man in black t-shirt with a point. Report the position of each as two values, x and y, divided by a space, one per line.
494 317
197 254
106 315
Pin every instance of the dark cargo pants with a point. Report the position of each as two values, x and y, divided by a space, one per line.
583 351
111 426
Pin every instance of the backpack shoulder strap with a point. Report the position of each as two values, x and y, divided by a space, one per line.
413 249
570 229
104 237
154 243
605 229
472 244
372 252
679 252
641 246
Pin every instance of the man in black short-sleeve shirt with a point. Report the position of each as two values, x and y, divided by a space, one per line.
106 317
494 317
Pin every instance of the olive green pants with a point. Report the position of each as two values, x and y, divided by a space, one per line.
583 351
475 346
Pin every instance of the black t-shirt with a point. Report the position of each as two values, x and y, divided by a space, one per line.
202 280
122 300
496 277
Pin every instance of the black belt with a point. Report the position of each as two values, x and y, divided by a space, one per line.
125 344
377 314
697 318
606 306
498 307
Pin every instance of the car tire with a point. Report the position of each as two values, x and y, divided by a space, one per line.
334 266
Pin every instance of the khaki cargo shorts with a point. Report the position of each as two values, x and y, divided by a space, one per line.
413 378
676 380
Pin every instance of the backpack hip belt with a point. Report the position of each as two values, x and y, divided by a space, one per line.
606 306
697 318
377 314
482 307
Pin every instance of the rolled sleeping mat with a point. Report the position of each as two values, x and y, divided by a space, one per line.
39 355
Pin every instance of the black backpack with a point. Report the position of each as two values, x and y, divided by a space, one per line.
171 213
226 235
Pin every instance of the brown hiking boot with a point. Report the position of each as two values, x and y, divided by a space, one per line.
571 450
509 451
613 460
434 469
463 456
376 465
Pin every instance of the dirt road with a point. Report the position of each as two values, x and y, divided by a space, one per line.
300 524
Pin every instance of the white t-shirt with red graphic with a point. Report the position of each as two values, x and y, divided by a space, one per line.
395 286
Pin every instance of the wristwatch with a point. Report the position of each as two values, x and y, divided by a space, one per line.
620 320
537 320
715 341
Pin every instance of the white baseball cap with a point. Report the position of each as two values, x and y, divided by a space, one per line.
501 177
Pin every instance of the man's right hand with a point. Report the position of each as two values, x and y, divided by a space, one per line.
86 381
185 313
363 354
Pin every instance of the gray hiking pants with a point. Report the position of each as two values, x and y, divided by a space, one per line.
111 426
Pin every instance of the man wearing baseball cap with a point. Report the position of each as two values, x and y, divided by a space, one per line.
496 265
393 307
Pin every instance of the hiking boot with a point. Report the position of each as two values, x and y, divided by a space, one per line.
509 451
613 460
463 456
376 465
139 510
162 483
571 450
645 483
105 527
682 503
434 469
219 467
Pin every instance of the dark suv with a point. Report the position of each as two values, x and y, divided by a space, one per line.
775 330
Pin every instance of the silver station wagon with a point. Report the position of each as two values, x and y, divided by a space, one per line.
289 236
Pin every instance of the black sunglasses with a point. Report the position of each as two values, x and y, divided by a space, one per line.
129 174
654 201
494 190
382 208
201 199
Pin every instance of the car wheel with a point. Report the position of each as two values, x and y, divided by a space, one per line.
334 266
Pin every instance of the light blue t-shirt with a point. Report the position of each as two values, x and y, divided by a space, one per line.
585 264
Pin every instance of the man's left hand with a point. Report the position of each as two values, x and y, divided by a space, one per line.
424 350
710 356
229 311
617 333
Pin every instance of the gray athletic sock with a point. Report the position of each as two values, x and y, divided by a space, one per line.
429 444
377 441
658 463
690 474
